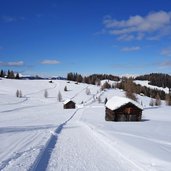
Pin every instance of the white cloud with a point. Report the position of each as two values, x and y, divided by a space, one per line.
8 19
129 49
126 37
153 25
50 62
12 64
165 64
166 52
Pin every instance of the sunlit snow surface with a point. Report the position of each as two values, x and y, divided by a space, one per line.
36 133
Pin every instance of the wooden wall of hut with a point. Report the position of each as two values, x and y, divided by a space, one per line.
69 105
128 112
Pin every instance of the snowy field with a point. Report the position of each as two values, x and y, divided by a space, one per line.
37 134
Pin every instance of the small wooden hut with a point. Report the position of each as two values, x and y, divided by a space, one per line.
123 109
69 104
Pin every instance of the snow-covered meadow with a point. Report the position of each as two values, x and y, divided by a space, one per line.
36 133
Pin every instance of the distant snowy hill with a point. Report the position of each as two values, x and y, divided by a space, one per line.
146 83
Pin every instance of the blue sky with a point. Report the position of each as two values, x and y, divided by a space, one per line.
54 37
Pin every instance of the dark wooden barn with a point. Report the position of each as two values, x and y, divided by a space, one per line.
69 104
123 109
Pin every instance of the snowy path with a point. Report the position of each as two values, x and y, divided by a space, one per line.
79 148
43 158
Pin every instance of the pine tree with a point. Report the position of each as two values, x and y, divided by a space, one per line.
106 85
2 74
141 103
65 88
157 101
130 89
10 74
99 99
168 99
105 100
46 94
59 96
88 91
151 102
17 93
17 76
20 94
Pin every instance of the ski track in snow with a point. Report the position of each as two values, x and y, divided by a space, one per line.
22 143
32 93
43 158
145 138
69 148
111 145
22 101
25 107
26 99
41 162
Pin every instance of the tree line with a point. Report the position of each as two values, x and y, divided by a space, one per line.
131 89
94 79
129 85
157 79
9 74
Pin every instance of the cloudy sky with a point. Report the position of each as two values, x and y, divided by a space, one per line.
54 37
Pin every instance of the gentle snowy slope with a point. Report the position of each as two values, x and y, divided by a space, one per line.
38 134
145 83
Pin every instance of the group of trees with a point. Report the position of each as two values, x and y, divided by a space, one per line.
9 74
106 85
19 93
59 95
131 89
168 99
138 89
155 102
94 79
157 79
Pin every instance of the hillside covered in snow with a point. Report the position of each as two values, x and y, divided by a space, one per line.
36 133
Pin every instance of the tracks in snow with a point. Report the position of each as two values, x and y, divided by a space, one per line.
26 99
43 158
145 138
81 148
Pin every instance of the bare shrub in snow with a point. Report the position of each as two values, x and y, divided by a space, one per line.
157 101
88 91
151 102
168 100
99 99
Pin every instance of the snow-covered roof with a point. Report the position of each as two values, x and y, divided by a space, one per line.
117 101
67 101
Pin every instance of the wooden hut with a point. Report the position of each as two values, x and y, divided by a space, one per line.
123 109
69 104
